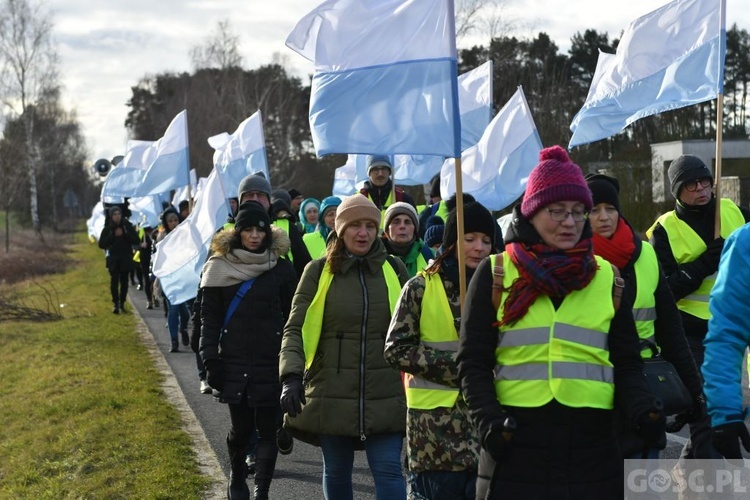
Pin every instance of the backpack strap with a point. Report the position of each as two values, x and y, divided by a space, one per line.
498 272
236 300
618 286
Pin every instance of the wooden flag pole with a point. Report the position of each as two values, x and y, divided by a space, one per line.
460 230
717 170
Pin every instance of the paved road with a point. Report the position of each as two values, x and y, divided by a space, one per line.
299 474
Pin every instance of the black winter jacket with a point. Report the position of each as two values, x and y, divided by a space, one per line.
119 248
476 355
248 349
685 278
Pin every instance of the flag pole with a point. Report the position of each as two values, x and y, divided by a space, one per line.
460 230
717 172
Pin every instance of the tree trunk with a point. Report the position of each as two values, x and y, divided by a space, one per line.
7 229
31 158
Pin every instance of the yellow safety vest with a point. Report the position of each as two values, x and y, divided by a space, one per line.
313 323
688 246
558 354
644 307
434 332
228 226
315 244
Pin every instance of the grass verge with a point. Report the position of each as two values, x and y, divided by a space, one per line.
82 413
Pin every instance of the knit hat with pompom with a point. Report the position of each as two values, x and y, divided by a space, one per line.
556 178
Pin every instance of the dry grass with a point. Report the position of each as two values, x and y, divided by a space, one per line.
30 256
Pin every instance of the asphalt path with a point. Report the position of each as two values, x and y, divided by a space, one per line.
299 474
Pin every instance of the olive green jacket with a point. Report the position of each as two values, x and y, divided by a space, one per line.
350 389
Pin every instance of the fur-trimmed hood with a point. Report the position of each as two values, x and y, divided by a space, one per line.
226 241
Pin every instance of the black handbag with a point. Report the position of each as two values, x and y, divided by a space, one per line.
664 382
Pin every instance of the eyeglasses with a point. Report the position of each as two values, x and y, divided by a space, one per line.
693 185
559 215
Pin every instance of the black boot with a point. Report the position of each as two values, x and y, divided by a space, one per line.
175 347
122 306
265 464
237 488
116 309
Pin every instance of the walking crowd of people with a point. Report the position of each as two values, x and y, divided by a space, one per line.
341 323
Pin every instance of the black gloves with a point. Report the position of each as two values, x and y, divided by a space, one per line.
712 255
497 441
698 409
215 374
292 395
727 437
652 428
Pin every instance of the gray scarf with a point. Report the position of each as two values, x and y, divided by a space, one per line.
237 266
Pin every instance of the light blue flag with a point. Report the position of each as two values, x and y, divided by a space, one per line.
670 58
343 180
385 76
496 170
180 256
125 178
95 223
240 154
170 165
145 211
475 103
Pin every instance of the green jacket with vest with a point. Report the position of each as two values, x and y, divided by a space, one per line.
686 266
440 434
349 388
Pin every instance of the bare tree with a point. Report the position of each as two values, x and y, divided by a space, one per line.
483 16
29 66
219 50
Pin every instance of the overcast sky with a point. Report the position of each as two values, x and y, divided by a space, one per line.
106 47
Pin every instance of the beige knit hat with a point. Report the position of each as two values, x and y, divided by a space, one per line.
354 208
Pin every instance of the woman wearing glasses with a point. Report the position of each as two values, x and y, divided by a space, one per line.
544 342
687 248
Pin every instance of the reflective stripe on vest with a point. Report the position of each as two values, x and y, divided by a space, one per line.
284 224
313 323
687 246
315 244
644 307
434 317
558 354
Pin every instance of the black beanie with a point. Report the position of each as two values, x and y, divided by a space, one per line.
684 169
252 214
477 219
604 189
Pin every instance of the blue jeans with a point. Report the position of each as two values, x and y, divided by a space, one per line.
177 317
383 456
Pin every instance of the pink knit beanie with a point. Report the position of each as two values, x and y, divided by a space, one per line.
555 178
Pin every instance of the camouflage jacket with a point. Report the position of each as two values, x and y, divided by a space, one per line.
443 439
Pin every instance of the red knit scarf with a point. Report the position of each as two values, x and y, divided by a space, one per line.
619 248
545 270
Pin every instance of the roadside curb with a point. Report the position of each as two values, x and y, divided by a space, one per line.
205 457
